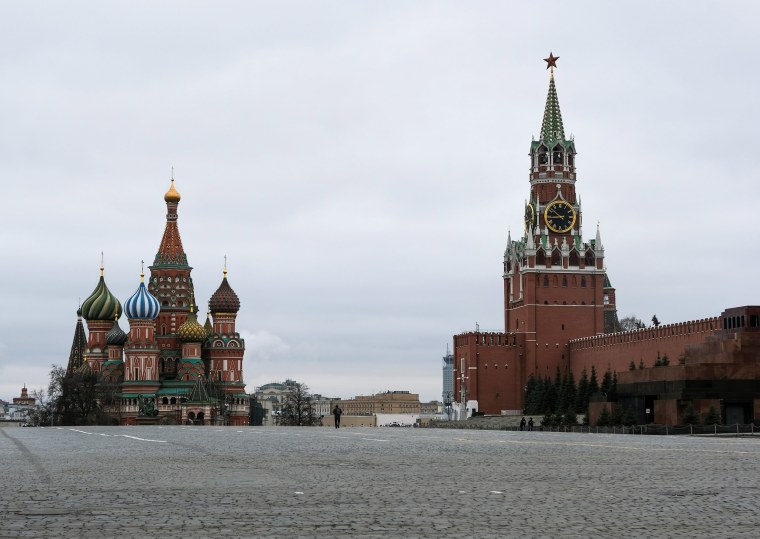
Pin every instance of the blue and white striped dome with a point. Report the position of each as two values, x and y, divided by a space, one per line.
142 304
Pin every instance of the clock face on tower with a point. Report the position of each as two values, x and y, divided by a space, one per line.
530 216
559 216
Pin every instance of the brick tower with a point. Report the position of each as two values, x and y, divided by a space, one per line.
141 373
171 284
554 282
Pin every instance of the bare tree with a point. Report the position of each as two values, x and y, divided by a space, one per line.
297 409
631 322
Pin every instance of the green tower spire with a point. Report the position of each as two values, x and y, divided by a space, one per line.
551 127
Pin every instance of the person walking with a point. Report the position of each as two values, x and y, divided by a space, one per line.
522 424
337 413
530 424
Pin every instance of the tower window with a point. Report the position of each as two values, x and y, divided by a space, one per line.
583 282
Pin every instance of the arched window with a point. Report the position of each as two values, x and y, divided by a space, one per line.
557 155
165 400
543 155
583 282
546 280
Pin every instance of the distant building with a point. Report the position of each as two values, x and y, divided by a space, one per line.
21 406
390 402
431 408
272 396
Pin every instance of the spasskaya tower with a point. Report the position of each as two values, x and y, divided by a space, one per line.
555 284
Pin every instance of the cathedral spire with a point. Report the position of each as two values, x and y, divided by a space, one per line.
171 252
78 346
551 127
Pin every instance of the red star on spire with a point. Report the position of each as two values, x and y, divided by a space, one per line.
551 61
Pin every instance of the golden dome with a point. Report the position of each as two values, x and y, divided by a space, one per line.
172 195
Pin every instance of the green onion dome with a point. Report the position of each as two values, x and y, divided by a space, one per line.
192 330
86 369
101 305
224 300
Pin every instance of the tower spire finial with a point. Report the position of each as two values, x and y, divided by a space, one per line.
551 62
101 263
552 129
225 266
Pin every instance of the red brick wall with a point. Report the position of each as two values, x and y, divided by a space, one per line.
615 351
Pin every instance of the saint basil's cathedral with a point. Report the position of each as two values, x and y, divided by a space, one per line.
168 367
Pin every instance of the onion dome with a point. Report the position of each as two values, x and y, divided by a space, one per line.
192 330
86 369
208 326
116 337
142 304
101 305
224 300
172 195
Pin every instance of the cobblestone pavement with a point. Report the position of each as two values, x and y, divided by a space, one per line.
384 482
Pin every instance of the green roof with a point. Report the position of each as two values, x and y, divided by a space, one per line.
173 391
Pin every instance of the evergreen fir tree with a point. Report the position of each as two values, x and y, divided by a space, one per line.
581 396
613 387
530 395
712 416
562 402
604 418
550 403
641 363
690 416
606 382
629 416
616 417
570 392
570 418
593 384
631 366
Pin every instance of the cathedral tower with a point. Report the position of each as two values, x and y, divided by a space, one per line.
99 309
141 371
171 284
225 347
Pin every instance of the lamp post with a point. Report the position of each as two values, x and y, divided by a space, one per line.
447 405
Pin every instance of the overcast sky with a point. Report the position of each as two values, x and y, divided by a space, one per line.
360 164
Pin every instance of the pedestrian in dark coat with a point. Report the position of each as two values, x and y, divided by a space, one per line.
522 424
337 412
